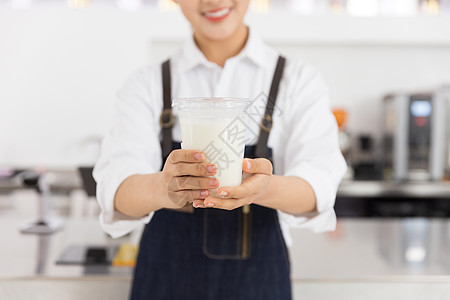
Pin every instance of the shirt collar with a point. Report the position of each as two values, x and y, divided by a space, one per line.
191 56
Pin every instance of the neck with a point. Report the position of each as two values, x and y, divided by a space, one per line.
218 51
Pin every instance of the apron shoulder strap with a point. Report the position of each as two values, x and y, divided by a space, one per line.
266 122
166 118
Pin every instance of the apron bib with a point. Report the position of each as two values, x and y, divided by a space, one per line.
212 253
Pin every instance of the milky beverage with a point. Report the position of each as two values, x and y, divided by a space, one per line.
206 135
216 127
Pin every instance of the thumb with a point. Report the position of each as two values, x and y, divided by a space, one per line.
257 166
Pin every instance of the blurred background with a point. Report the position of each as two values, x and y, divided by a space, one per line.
387 64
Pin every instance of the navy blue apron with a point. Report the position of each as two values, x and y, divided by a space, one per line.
212 253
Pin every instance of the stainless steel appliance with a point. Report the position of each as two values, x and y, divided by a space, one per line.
415 136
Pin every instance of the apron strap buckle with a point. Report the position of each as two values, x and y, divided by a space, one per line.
266 123
166 118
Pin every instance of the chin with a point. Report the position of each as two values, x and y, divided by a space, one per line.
218 35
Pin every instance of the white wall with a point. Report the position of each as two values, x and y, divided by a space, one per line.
60 69
359 76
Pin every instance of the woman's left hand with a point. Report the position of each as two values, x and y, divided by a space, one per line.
250 191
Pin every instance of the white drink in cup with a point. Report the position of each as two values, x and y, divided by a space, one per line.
216 127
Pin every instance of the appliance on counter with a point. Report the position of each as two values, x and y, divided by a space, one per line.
415 136
46 222
366 159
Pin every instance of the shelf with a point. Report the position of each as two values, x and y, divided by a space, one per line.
275 27
345 30
324 30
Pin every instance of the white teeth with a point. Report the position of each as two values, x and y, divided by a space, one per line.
217 14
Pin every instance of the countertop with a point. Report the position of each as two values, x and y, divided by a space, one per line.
412 189
388 257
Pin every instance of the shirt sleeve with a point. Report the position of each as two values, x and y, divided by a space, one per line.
312 149
131 147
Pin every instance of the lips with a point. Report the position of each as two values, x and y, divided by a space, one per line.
216 15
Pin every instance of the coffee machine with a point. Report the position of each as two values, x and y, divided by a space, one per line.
415 136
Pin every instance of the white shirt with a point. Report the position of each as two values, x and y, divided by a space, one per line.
303 137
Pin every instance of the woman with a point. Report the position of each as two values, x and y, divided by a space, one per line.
226 248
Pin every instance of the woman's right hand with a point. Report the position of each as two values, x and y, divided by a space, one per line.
185 176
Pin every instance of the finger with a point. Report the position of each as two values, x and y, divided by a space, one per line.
257 165
191 195
234 191
194 169
192 183
249 187
180 155
198 204
221 203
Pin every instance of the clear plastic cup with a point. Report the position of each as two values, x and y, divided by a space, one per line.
215 126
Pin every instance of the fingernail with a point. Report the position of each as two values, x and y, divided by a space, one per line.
204 193
223 193
249 165
212 169
213 182
199 156
199 205
210 204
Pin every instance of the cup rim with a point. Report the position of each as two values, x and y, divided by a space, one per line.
212 101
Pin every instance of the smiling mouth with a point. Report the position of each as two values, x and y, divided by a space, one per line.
217 14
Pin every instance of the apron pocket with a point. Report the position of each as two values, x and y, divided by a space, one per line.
227 234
